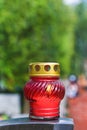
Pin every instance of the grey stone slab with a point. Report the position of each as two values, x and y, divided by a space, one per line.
27 124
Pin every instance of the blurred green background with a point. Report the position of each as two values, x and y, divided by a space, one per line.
41 30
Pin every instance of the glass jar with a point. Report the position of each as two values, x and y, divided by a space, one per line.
44 90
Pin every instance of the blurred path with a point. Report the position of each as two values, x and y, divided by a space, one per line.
78 111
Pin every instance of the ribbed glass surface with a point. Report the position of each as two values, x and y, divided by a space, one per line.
44 95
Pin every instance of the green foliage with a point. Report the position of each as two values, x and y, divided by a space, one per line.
37 30
80 39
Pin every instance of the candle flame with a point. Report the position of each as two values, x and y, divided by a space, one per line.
49 89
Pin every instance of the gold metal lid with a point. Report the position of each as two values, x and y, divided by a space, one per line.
44 69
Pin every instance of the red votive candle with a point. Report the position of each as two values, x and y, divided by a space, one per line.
44 90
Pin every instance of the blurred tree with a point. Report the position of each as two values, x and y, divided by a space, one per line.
38 30
80 58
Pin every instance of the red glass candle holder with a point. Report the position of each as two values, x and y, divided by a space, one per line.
44 90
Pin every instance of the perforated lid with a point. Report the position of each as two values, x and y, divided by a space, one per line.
44 69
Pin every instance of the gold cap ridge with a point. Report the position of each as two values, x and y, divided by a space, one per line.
44 69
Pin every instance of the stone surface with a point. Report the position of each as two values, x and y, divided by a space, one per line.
27 124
